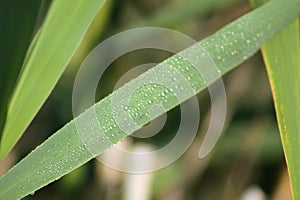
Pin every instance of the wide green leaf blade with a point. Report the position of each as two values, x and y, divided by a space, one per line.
86 137
281 55
60 35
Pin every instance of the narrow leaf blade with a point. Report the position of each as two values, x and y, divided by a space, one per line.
71 147
17 22
60 35
281 55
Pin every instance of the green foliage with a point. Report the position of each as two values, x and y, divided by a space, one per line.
63 29
17 26
86 137
281 55
174 14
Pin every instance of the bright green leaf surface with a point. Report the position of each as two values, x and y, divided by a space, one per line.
60 35
85 136
281 55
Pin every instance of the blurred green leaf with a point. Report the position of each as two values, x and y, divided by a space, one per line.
63 29
93 35
281 55
18 20
87 136
175 13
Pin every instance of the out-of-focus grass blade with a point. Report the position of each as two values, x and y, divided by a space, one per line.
75 144
282 57
177 12
92 35
60 35
17 22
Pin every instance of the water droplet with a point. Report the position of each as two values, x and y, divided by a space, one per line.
233 52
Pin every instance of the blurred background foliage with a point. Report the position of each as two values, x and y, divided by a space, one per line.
246 163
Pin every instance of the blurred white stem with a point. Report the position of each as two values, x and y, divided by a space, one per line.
253 193
138 186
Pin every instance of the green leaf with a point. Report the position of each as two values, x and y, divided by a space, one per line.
86 137
281 55
17 21
60 35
